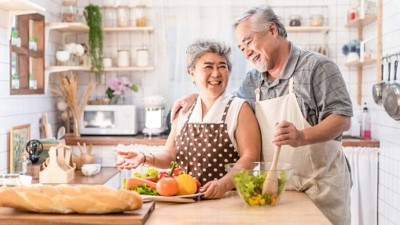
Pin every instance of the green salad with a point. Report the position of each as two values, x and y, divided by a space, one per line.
250 188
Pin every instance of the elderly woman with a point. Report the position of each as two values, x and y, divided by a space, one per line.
214 132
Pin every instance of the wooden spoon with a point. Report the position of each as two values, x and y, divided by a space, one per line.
270 185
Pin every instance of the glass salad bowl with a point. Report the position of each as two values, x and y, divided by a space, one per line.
249 182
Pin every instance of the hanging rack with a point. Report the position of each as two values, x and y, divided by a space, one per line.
388 56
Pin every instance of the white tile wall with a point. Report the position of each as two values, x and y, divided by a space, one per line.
16 110
387 129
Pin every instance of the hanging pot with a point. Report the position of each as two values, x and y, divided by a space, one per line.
377 89
391 97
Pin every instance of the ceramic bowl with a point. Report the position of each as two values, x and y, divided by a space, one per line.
62 55
90 169
249 182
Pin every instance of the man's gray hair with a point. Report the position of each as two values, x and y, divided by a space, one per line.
201 47
261 17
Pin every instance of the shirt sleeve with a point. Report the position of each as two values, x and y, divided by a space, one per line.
249 85
330 91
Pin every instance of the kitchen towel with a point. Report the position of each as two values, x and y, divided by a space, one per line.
364 193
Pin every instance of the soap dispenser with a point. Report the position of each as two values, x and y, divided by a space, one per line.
365 123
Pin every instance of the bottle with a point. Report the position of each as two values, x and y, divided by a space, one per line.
25 164
365 123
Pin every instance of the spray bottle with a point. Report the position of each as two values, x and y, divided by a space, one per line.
365 123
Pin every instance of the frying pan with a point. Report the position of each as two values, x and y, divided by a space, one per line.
391 97
377 89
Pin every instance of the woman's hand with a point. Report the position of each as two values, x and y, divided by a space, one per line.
130 160
213 189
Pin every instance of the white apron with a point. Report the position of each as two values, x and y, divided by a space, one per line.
320 170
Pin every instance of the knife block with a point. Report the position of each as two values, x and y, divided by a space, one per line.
58 170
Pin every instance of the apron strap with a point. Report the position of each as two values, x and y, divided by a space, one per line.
226 109
190 112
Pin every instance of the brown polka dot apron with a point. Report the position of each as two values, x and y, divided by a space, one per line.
203 149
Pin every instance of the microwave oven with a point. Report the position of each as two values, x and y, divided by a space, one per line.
109 120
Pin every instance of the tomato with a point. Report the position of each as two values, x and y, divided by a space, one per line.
167 186
187 185
176 172
162 174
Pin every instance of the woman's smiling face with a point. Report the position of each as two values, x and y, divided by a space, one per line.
211 75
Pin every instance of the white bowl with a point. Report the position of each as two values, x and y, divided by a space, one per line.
62 55
90 169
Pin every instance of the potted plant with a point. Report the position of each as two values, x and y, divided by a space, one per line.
15 39
14 81
93 19
33 43
117 88
32 82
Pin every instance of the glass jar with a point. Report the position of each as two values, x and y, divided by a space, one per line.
123 58
142 57
123 16
317 20
69 11
140 16
295 20
109 16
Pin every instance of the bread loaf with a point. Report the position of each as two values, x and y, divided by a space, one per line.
84 199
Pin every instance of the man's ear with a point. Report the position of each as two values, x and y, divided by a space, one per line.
273 29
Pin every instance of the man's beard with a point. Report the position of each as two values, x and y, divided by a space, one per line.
262 66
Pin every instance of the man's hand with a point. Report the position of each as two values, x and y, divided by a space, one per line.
287 134
183 103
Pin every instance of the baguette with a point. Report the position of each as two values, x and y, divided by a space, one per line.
65 199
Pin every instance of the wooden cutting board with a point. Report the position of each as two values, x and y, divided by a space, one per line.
10 216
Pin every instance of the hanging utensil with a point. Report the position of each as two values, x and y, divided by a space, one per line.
377 89
270 185
391 97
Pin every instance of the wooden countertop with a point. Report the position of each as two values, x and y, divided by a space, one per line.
160 140
115 140
294 208
105 174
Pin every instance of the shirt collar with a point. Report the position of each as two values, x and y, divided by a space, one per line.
290 66
291 63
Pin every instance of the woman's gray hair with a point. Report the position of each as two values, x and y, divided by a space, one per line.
261 17
200 47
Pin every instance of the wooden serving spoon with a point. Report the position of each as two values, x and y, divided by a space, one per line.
270 185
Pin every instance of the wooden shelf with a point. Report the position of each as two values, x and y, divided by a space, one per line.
321 29
121 29
68 27
20 6
77 27
58 69
359 22
358 63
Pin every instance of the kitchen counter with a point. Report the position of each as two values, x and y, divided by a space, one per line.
294 208
115 140
160 140
103 177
